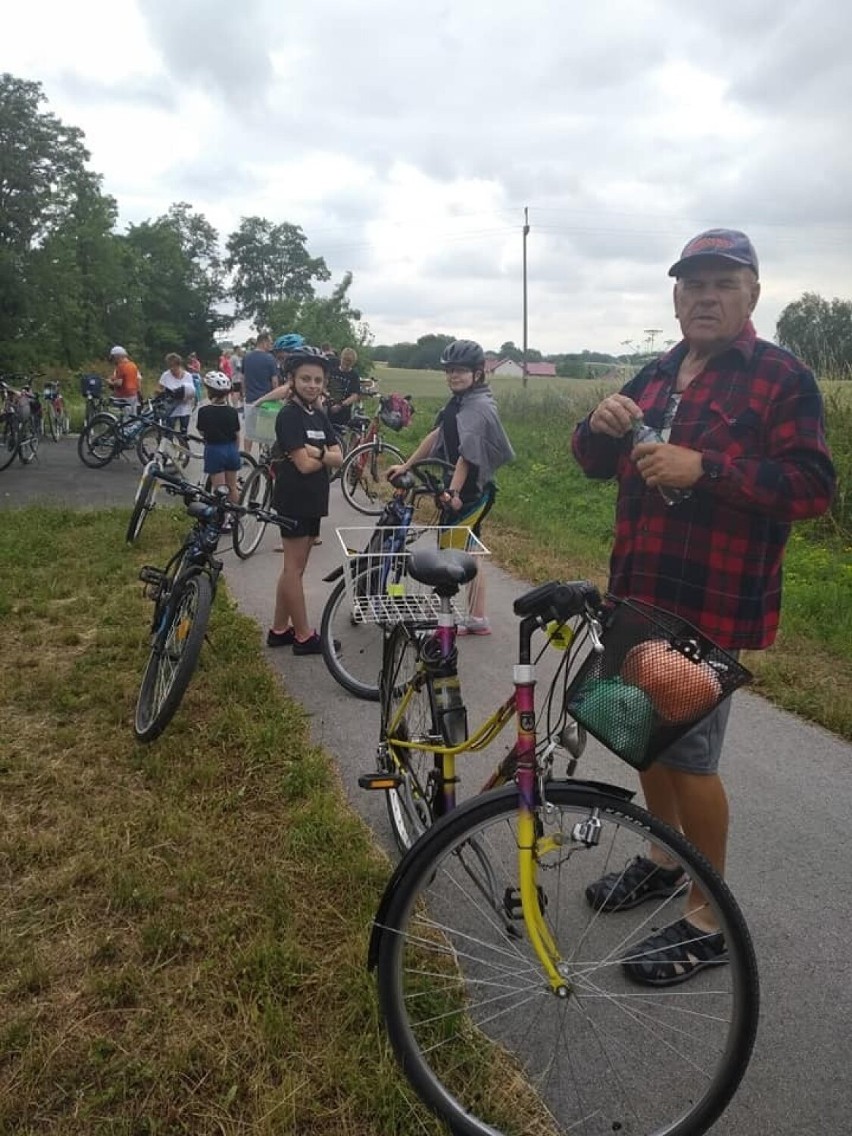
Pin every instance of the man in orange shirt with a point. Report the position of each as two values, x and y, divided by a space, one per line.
125 381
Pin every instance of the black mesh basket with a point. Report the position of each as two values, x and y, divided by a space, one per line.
656 677
91 384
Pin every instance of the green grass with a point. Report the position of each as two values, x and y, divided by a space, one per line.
175 957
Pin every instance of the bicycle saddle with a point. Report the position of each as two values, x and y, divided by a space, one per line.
445 570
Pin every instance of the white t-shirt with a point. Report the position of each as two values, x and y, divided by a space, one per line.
170 383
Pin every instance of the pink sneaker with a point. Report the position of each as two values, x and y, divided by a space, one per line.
474 625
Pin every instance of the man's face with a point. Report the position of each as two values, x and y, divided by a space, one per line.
713 300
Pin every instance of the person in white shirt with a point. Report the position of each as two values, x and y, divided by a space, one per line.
177 383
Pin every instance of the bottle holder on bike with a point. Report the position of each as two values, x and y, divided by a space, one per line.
655 679
378 588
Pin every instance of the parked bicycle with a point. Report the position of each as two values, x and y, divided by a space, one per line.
356 608
20 418
92 388
183 593
55 420
164 465
514 973
363 473
106 436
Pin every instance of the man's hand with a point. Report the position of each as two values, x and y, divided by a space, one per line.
660 463
614 416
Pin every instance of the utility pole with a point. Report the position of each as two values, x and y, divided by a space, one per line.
526 234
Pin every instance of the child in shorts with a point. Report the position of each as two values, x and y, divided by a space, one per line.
310 449
219 426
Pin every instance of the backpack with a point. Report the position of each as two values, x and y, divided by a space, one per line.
396 411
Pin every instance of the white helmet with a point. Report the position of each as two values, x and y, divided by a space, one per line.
117 351
217 381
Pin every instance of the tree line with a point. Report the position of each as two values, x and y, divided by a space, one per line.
72 285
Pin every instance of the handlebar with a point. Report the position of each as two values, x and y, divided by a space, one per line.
194 494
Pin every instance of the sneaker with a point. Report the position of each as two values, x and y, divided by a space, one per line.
280 638
641 880
474 625
309 646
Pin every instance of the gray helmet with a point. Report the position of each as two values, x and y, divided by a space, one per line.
463 353
306 354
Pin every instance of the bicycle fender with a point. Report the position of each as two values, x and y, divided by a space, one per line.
335 575
616 792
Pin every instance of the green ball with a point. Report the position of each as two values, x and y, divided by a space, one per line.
621 715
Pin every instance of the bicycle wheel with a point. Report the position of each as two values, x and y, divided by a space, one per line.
473 1020
363 476
174 655
28 441
144 501
8 440
153 438
98 443
352 647
256 494
408 715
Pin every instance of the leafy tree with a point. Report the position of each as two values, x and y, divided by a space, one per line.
46 194
181 283
270 264
819 331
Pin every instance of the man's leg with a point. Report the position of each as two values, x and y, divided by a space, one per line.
697 805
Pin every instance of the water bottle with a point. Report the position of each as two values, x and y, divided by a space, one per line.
642 432
452 715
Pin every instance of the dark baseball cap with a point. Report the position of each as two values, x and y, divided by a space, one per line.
729 244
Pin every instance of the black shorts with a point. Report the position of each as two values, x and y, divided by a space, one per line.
305 526
236 384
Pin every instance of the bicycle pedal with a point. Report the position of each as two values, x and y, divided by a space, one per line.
513 907
151 575
385 781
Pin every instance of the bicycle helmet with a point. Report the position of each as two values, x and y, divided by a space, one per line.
292 341
217 381
116 351
463 353
306 354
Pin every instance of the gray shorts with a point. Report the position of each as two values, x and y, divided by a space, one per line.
699 750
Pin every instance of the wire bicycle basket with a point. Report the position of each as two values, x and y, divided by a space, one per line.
378 587
656 678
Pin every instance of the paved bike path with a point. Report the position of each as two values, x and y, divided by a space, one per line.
790 786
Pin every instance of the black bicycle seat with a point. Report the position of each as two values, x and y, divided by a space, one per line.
445 570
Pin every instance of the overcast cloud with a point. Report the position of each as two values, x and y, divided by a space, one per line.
407 138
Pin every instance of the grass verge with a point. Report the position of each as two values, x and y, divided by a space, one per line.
184 926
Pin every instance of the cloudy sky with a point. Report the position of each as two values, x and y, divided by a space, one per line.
407 138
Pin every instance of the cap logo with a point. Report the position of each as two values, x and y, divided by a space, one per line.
708 244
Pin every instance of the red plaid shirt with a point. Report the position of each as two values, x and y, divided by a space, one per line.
756 415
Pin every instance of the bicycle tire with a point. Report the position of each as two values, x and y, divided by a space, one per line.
8 441
248 530
144 502
473 1021
408 713
98 442
28 441
363 476
150 440
174 655
356 661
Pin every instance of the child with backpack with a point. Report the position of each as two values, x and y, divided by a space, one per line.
469 436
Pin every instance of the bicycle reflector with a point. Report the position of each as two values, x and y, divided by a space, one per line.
386 781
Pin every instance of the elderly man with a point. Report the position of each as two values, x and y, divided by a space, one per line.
126 382
742 428
260 374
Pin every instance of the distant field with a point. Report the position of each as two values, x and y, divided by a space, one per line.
433 384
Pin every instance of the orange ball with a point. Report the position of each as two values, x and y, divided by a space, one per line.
680 690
